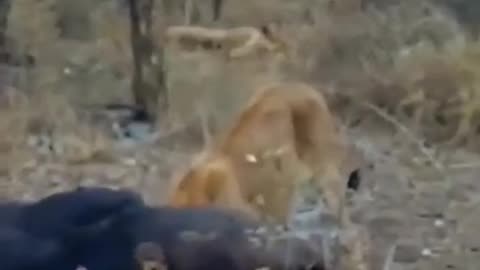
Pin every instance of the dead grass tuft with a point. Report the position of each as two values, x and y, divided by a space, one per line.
45 126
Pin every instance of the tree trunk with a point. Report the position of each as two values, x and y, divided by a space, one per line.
217 9
4 10
148 81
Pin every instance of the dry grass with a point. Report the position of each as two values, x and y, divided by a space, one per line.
45 124
412 60
408 66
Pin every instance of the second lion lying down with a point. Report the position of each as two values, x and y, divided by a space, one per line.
285 136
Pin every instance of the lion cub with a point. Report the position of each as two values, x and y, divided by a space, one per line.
285 136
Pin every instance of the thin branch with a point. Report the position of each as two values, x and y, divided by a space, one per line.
389 258
466 165
402 128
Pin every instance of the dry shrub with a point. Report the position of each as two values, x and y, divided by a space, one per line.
44 124
32 24
37 110
252 12
12 128
338 48
72 139
113 37
206 81
442 90
412 59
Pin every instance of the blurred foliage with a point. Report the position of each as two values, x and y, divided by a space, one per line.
414 59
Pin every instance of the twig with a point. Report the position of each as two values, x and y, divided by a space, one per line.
206 134
437 165
466 165
389 258
175 130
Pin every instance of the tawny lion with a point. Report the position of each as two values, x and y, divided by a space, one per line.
234 42
285 134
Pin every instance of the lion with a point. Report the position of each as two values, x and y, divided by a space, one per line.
286 136
235 42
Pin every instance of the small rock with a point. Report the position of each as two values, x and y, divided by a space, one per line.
28 197
89 182
439 223
31 164
261 230
115 173
138 131
426 252
67 71
130 162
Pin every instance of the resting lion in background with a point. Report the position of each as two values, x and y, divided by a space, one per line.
234 42
285 136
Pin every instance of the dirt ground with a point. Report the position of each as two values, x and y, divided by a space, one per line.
419 202
418 216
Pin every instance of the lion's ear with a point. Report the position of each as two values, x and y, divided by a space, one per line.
273 34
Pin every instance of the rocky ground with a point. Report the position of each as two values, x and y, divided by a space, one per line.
420 217
421 213
420 203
